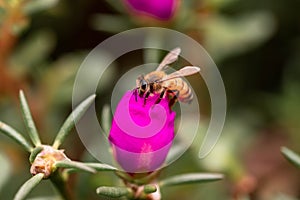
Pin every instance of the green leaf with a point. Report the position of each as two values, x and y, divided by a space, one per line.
71 120
46 198
37 46
148 189
74 165
34 6
291 156
101 167
153 38
118 5
18 28
113 192
27 187
106 119
237 35
96 166
34 153
6 169
34 136
190 178
110 23
16 136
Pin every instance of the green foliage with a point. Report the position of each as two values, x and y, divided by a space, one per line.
51 158
28 186
34 153
74 165
291 156
254 43
113 192
106 119
72 120
34 136
226 37
110 23
101 167
34 6
148 189
16 136
32 53
6 170
190 178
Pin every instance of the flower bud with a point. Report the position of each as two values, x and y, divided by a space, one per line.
142 133
160 9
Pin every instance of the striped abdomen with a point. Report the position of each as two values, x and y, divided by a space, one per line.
181 88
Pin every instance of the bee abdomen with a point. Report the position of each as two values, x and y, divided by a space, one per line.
184 91
186 94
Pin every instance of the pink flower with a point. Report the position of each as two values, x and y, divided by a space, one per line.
161 9
141 135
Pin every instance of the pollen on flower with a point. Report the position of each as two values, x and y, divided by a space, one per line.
142 134
45 161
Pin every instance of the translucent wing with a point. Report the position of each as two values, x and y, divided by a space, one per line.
186 71
170 58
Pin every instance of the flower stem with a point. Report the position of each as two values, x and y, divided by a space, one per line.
60 184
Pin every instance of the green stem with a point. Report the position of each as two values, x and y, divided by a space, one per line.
60 184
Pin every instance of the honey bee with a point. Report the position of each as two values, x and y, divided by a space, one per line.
166 84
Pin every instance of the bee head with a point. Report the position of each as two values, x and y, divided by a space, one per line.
143 85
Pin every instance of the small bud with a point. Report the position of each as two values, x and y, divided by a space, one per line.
113 192
148 189
160 9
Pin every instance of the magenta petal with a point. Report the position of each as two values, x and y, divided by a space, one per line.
141 135
141 162
162 9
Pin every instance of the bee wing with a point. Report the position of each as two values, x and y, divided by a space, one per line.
186 71
169 58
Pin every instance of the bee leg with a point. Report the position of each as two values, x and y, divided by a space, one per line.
135 94
160 96
141 93
174 98
146 97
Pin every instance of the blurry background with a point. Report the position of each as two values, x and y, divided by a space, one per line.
255 44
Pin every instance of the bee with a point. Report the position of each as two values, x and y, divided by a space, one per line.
166 84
